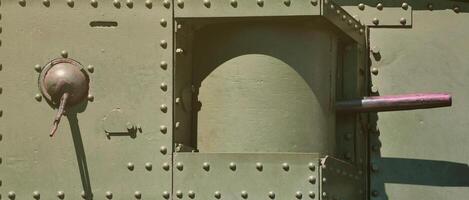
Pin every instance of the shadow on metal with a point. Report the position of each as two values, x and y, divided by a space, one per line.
81 156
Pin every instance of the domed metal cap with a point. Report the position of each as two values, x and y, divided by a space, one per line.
62 76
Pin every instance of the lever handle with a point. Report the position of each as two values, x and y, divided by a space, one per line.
395 102
60 112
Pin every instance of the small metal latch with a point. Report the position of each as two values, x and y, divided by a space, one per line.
117 123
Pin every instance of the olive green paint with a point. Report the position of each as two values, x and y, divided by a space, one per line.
127 75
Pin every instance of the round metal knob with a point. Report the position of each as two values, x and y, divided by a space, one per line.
62 76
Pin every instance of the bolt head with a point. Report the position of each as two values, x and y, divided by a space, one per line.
312 179
405 6
180 3
207 3
148 4
38 68
166 3
163 23
260 3
379 6
311 166
259 166
46 3
130 166
38 97
164 65
163 129
163 150
11 194
109 195
148 166
116 3
60 194
374 71
314 2
166 166
191 194
164 108
90 68
164 86
165 194
312 195
375 21
137 194
244 194
234 3
206 166
285 166
70 3
129 3
403 21
232 166
271 195
287 2
179 194
179 166
94 3
361 6
457 9
217 194
298 195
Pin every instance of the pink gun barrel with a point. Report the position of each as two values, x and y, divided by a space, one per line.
395 102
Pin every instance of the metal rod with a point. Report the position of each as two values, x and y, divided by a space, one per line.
395 102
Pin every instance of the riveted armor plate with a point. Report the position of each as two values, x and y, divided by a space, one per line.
119 43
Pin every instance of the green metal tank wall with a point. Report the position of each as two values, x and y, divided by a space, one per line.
265 87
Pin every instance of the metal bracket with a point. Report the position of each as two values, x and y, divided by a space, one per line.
340 180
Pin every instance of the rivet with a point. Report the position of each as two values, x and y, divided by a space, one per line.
332 7
287 2
374 89
180 3
116 3
207 3
163 65
83 194
163 22
60 194
311 166
148 4
244 194
375 50
166 3
379 6
137 194
271 195
70 3
324 180
148 166
405 6
403 21
350 22
348 136
232 166
129 3
375 193
179 51
375 21
163 129
361 6
163 44
46 3
324 194
166 166
177 100
179 166
344 17
164 86
430 6
285 166
177 125
312 179
217 194
356 26
164 108
109 195
64 54
11 194
36 195
374 167
312 195
163 150
94 3
130 126
38 97
337 12
22 2
179 194
130 166
38 68
260 3
314 2
90 68
191 194
298 195
374 71
456 9
206 166
165 194
234 3
259 166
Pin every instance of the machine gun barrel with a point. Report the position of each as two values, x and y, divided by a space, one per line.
395 102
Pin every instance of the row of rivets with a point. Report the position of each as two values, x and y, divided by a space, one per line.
61 195
244 194
234 3
94 3
232 166
149 165
344 17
